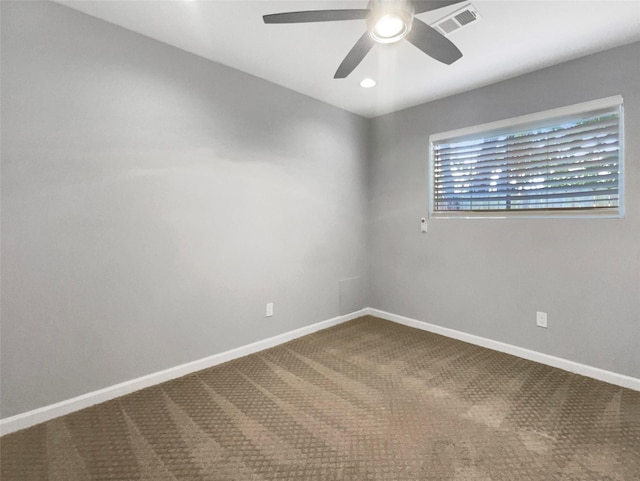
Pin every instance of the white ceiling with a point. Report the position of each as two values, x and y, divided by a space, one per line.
513 37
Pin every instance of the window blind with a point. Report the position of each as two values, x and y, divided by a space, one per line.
550 162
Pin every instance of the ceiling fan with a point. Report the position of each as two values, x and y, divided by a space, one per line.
388 21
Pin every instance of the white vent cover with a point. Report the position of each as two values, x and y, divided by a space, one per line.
459 18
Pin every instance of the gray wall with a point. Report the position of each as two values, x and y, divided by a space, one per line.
489 277
153 202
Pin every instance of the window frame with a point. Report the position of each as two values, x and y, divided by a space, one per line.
538 119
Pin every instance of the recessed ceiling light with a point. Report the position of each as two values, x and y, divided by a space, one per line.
367 83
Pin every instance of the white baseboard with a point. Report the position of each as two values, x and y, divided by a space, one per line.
46 413
571 366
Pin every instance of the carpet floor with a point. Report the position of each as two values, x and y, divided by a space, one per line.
365 400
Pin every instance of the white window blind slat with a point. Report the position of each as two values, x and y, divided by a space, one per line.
541 149
517 167
507 149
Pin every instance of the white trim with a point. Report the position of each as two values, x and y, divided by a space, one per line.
564 364
46 413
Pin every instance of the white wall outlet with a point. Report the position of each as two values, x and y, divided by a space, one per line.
541 319
269 309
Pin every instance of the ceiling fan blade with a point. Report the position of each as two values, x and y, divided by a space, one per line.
431 42
355 56
315 16
421 6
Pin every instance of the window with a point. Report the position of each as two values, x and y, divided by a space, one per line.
562 162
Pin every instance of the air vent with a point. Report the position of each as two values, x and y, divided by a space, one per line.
452 22
465 17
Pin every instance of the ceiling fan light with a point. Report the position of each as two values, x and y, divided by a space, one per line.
390 27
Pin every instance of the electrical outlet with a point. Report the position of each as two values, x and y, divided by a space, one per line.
269 309
541 319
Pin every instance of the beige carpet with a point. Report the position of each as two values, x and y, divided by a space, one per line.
366 400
